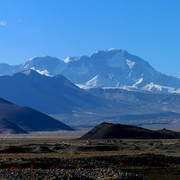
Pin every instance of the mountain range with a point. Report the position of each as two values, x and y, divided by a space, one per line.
60 98
109 68
50 95
111 85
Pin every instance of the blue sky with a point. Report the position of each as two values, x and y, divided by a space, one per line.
61 28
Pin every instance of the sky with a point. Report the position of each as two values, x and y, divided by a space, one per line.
149 29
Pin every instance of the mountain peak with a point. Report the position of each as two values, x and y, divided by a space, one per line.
33 73
116 50
105 68
42 62
46 65
112 50
28 72
44 58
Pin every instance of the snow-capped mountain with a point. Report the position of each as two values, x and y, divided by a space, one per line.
109 68
57 96
118 68
45 65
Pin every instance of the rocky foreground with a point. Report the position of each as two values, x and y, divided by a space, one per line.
93 160
58 174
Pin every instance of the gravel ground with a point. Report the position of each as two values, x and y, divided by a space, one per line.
58 174
100 167
90 160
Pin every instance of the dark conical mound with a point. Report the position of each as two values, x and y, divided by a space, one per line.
109 130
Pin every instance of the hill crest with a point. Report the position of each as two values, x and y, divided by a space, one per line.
114 131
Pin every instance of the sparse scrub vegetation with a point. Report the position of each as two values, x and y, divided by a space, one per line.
89 159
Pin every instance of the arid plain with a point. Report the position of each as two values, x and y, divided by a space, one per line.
61 155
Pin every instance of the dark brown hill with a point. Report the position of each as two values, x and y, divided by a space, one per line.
113 131
17 119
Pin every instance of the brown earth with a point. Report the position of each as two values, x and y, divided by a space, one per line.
51 157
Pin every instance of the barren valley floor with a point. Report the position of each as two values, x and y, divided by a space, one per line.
61 156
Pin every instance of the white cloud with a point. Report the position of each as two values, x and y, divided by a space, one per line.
3 23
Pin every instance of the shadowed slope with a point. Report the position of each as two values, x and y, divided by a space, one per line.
19 119
7 127
49 95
